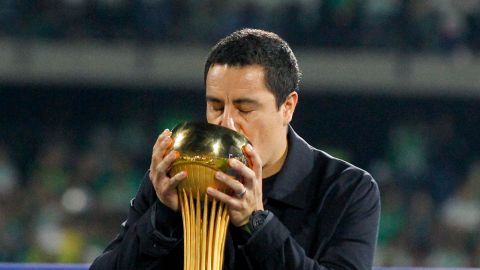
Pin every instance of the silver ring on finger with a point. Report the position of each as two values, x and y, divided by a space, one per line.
241 194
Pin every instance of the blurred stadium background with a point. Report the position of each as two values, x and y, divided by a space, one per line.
392 86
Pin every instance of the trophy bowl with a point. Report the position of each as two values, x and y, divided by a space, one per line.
204 149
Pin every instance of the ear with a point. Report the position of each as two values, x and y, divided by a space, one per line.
288 107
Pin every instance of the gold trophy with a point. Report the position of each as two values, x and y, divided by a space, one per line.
204 149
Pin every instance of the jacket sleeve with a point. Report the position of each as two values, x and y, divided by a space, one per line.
150 237
351 246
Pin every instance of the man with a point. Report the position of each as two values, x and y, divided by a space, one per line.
295 207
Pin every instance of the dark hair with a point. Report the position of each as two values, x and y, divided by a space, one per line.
253 46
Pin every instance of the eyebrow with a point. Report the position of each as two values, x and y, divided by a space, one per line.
236 101
213 99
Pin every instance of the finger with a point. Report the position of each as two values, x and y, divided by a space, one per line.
175 180
230 201
161 137
166 163
231 182
241 169
155 151
161 150
159 153
255 160
165 146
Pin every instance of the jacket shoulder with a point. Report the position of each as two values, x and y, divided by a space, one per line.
341 176
335 167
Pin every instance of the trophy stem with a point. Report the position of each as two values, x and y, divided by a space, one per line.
205 224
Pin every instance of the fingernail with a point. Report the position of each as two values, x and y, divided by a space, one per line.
250 147
165 132
219 175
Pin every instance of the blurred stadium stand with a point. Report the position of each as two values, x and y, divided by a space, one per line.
86 86
124 64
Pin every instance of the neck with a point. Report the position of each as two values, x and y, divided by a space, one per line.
276 165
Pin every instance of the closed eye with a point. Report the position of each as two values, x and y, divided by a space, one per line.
246 105
215 104
245 111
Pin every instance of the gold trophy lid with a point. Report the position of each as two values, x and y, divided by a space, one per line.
204 149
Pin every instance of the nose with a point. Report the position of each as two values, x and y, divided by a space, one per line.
227 120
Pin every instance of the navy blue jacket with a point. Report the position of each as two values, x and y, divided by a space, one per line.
325 216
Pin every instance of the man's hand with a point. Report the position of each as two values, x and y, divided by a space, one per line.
247 193
162 159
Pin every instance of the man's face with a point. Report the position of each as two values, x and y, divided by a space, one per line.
237 98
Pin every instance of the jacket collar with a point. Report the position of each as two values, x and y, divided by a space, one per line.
290 186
